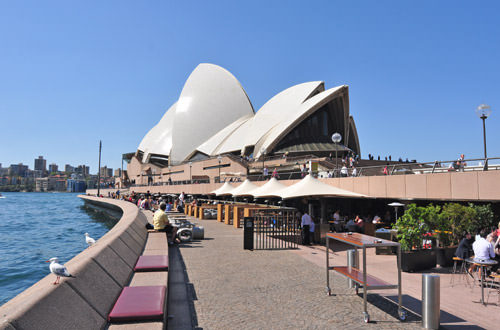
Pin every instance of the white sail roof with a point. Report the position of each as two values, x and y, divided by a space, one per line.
309 186
269 189
223 190
244 189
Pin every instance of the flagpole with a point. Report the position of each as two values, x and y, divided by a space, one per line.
99 171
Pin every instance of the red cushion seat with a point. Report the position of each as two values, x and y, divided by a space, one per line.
139 303
151 263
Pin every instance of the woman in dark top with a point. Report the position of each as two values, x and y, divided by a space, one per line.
464 249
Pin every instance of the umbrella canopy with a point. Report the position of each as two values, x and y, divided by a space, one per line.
309 186
244 189
270 189
222 190
396 204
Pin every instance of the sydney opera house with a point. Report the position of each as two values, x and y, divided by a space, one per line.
213 115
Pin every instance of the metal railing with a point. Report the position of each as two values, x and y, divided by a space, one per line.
398 168
276 229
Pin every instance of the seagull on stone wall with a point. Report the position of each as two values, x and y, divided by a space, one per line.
90 241
58 269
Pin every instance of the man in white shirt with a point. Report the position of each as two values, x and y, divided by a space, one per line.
306 225
482 248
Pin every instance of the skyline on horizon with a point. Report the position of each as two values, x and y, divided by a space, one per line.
74 73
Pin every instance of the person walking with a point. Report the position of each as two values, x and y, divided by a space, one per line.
306 228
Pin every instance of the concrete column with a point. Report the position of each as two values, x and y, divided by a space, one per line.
228 213
219 212
236 218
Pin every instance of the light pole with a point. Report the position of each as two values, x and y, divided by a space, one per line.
219 158
190 176
336 138
483 111
99 171
169 174
263 153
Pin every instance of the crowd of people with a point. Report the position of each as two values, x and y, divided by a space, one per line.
485 246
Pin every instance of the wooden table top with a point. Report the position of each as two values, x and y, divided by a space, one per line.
360 239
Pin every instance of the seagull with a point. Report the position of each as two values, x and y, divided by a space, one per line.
58 269
90 241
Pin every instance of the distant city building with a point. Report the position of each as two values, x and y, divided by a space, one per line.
68 168
40 164
53 168
75 185
18 169
82 169
42 184
106 172
4 180
4 171
118 172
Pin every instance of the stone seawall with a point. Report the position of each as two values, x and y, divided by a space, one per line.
101 272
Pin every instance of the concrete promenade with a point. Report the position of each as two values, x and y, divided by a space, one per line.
231 288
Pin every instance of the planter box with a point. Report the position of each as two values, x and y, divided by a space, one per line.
444 256
418 260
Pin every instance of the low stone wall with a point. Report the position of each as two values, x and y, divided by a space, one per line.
101 272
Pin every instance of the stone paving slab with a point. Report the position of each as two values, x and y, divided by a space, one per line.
232 288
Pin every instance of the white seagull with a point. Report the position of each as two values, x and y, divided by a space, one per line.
58 269
90 241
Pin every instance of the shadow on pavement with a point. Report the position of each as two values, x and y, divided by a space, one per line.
181 311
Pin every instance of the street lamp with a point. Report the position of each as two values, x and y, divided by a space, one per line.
483 111
336 138
263 153
219 158
396 205
190 176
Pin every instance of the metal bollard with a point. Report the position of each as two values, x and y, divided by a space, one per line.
430 301
352 261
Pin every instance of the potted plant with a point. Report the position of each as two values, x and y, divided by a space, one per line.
411 228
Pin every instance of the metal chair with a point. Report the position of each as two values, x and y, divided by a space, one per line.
462 270
494 286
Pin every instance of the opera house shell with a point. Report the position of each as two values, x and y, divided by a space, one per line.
214 116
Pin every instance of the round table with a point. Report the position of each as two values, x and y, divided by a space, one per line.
483 263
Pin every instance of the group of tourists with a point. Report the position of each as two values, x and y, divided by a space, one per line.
484 247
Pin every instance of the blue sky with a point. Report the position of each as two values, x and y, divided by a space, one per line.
76 72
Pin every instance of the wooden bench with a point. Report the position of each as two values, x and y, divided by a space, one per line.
356 275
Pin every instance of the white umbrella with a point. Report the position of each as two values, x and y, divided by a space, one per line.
270 189
244 189
396 205
309 186
222 190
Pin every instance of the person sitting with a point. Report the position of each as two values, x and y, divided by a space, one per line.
483 250
464 249
351 225
161 223
376 219
360 223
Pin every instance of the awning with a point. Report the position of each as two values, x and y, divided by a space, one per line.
309 186
223 190
269 189
244 189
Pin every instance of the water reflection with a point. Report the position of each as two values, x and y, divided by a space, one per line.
100 215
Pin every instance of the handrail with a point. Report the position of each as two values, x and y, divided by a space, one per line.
413 167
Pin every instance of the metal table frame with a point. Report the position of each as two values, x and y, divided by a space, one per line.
483 264
367 282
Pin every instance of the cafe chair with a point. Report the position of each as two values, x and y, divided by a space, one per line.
494 287
460 271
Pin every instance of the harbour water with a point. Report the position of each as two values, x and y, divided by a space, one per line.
37 226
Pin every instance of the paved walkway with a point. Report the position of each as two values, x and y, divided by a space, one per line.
232 288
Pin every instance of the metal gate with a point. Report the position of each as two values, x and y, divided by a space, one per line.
276 229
